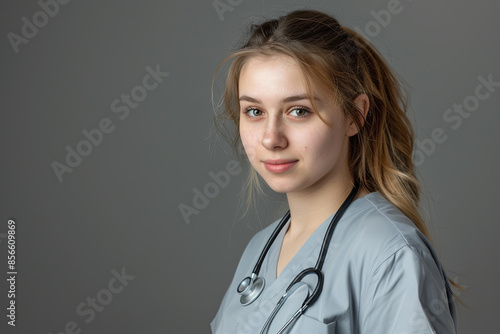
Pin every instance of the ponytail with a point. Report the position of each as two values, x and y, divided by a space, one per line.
381 157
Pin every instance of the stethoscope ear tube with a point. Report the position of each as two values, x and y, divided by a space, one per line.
333 224
269 242
292 288
317 290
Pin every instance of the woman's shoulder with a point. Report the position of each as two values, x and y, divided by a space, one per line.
379 230
260 238
402 269
382 221
257 243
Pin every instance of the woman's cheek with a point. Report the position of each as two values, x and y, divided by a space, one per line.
248 143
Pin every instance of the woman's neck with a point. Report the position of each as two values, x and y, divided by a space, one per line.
309 209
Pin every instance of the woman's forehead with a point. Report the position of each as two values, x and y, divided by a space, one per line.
253 82
269 59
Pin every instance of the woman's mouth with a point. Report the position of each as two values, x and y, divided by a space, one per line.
280 165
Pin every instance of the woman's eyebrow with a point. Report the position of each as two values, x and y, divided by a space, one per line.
285 100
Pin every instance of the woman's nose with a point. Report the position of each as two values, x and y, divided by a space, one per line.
274 135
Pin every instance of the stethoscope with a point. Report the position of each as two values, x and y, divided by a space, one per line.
252 286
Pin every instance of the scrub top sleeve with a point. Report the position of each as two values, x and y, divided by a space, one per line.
406 294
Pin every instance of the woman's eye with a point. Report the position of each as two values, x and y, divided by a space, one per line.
300 112
296 112
253 112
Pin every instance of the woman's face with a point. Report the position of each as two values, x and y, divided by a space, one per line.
285 141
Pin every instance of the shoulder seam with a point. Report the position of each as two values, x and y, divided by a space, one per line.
390 220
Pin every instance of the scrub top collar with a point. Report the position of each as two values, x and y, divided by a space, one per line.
309 251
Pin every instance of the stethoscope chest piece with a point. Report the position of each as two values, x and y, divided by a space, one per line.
250 288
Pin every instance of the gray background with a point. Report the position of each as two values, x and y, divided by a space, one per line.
119 207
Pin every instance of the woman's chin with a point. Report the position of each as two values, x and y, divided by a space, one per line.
280 187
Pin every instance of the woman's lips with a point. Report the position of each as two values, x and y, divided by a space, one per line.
279 166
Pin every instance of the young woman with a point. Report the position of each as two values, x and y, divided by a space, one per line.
322 119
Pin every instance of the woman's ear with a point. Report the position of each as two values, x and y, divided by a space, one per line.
362 104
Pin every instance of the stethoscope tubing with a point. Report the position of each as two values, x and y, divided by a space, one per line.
311 270
326 240
269 242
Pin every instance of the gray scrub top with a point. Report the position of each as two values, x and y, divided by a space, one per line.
381 276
